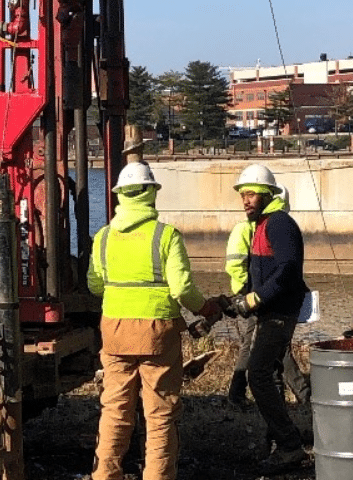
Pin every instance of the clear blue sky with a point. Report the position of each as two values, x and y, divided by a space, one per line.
166 35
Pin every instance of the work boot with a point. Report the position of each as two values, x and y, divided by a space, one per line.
241 403
281 460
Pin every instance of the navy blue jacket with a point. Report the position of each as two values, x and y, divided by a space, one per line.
276 264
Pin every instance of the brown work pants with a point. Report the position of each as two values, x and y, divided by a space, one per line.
157 378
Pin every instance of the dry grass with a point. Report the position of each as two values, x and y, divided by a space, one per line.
218 372
301 352
216 376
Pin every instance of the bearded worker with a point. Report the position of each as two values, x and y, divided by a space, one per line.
237 264
277 291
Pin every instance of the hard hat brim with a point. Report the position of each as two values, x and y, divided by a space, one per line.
156 184
274 188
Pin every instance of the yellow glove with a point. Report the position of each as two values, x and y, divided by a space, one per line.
252 300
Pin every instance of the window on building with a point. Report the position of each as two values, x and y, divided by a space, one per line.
239 97
238 116
250 115
261 96
260 115
250 97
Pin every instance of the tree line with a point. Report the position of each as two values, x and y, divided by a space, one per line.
180 104
192 104
199 96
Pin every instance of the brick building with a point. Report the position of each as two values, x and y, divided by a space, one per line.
313 87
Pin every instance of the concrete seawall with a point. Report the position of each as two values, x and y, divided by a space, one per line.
197 197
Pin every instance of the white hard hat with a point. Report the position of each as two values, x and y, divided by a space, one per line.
257 174
136 173
284 195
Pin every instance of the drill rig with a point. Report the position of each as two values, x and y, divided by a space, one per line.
49 52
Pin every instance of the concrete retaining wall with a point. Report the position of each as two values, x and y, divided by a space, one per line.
198 198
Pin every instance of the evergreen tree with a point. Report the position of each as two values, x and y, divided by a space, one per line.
280 110
141 98
205 94
168 99
170 81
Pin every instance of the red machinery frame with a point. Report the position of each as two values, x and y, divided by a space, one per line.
39 170
20 105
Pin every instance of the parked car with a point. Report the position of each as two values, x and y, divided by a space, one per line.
269 132
321 144
330 146
319 125
242 133
347 127
318 129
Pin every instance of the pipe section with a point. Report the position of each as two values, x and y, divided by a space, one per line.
10 341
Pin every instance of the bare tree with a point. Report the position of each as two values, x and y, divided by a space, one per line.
342 110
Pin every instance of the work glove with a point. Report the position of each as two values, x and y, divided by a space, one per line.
212 313
243 305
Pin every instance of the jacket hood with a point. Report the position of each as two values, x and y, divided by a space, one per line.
134 210
276 205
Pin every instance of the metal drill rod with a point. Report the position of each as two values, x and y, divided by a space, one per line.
10 341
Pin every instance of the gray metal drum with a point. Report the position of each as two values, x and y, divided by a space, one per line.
332 403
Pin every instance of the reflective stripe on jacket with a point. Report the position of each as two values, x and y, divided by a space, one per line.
142 271
237 259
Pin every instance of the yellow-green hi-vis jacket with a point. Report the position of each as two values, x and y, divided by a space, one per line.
140 265
237 256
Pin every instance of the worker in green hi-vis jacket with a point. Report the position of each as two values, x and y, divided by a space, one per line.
140 267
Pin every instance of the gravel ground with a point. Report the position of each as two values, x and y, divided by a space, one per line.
336 302
218 442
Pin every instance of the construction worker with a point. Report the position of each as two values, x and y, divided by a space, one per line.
141 268
237 264
276 294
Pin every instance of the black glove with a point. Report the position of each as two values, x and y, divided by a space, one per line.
199 328
234 306
348 334
212 312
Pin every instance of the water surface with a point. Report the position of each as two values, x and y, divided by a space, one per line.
97 208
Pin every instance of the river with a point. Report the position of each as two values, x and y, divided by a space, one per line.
97 210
